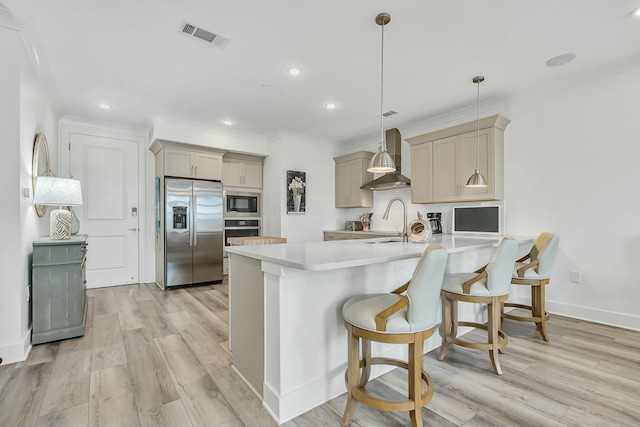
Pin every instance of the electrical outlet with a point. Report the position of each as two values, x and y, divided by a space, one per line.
576 276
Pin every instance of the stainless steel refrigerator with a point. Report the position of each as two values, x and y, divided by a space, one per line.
194 232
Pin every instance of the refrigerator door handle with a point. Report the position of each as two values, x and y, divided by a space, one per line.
194 212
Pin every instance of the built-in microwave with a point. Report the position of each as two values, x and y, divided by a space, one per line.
241 204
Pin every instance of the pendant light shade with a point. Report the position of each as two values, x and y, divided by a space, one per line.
382 162
477 180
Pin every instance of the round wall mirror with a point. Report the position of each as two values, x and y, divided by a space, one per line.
41 166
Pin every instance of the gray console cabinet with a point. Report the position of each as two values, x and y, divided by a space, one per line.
58 298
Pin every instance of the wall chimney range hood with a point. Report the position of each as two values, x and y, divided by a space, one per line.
391 180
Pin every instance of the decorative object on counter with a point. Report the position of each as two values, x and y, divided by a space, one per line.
366 221
477 179
405 233
354 225
536 272
435 222
296 192
419 230
394 318
53 191
489 285
382 162
41 166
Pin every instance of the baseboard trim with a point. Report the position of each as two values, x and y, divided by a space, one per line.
610 318
17 351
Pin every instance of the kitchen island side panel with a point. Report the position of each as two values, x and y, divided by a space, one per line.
246 319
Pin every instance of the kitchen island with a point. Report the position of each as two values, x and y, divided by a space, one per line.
286 330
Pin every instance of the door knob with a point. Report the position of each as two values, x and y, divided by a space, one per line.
133 229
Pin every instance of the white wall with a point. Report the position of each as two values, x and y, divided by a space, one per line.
572 168
314 156
26 108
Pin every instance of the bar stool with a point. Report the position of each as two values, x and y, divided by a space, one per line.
394 319
536 272
488 285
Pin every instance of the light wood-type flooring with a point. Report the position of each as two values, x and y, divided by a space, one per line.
156 358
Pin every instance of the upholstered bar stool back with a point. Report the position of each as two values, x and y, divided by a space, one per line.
408 315
488 285
534 269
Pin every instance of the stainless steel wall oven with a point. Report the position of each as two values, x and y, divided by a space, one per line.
240 228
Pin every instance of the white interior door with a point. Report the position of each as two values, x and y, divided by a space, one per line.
108 170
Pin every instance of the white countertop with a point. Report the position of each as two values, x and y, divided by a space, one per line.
331 255
362 233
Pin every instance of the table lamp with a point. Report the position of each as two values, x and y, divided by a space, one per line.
54 191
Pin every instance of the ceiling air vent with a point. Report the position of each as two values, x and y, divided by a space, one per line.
389 113
202 34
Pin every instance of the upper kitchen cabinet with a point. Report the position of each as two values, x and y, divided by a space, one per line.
351 174
187 161
191 164
242 171
442 162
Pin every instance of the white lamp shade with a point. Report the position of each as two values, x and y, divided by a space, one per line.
54 191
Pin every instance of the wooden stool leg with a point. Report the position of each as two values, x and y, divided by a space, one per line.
541 312
493 327
454 318
353 366
366 358
415 381
445 326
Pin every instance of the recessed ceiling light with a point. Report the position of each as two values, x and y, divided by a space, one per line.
559 60
330 105
294 71
227 122
105 106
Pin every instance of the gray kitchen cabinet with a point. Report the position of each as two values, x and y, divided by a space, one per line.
442 162
241 173
180 160
192 164
58 289
351 174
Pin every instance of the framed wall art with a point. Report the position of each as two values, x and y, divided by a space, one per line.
296 192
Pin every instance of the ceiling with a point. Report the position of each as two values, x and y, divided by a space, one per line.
132 56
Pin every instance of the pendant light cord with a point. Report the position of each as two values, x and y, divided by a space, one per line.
382 141
477 126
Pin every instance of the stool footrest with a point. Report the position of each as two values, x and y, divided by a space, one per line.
523 318
395 405
503 338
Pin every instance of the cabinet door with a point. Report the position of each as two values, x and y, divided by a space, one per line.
207 166
178 163
231 173
343 184
355 181
421 167
252 176
446 170
468 144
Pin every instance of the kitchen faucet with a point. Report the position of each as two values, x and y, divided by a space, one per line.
405 234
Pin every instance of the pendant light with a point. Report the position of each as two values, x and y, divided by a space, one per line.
477 180
382 162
